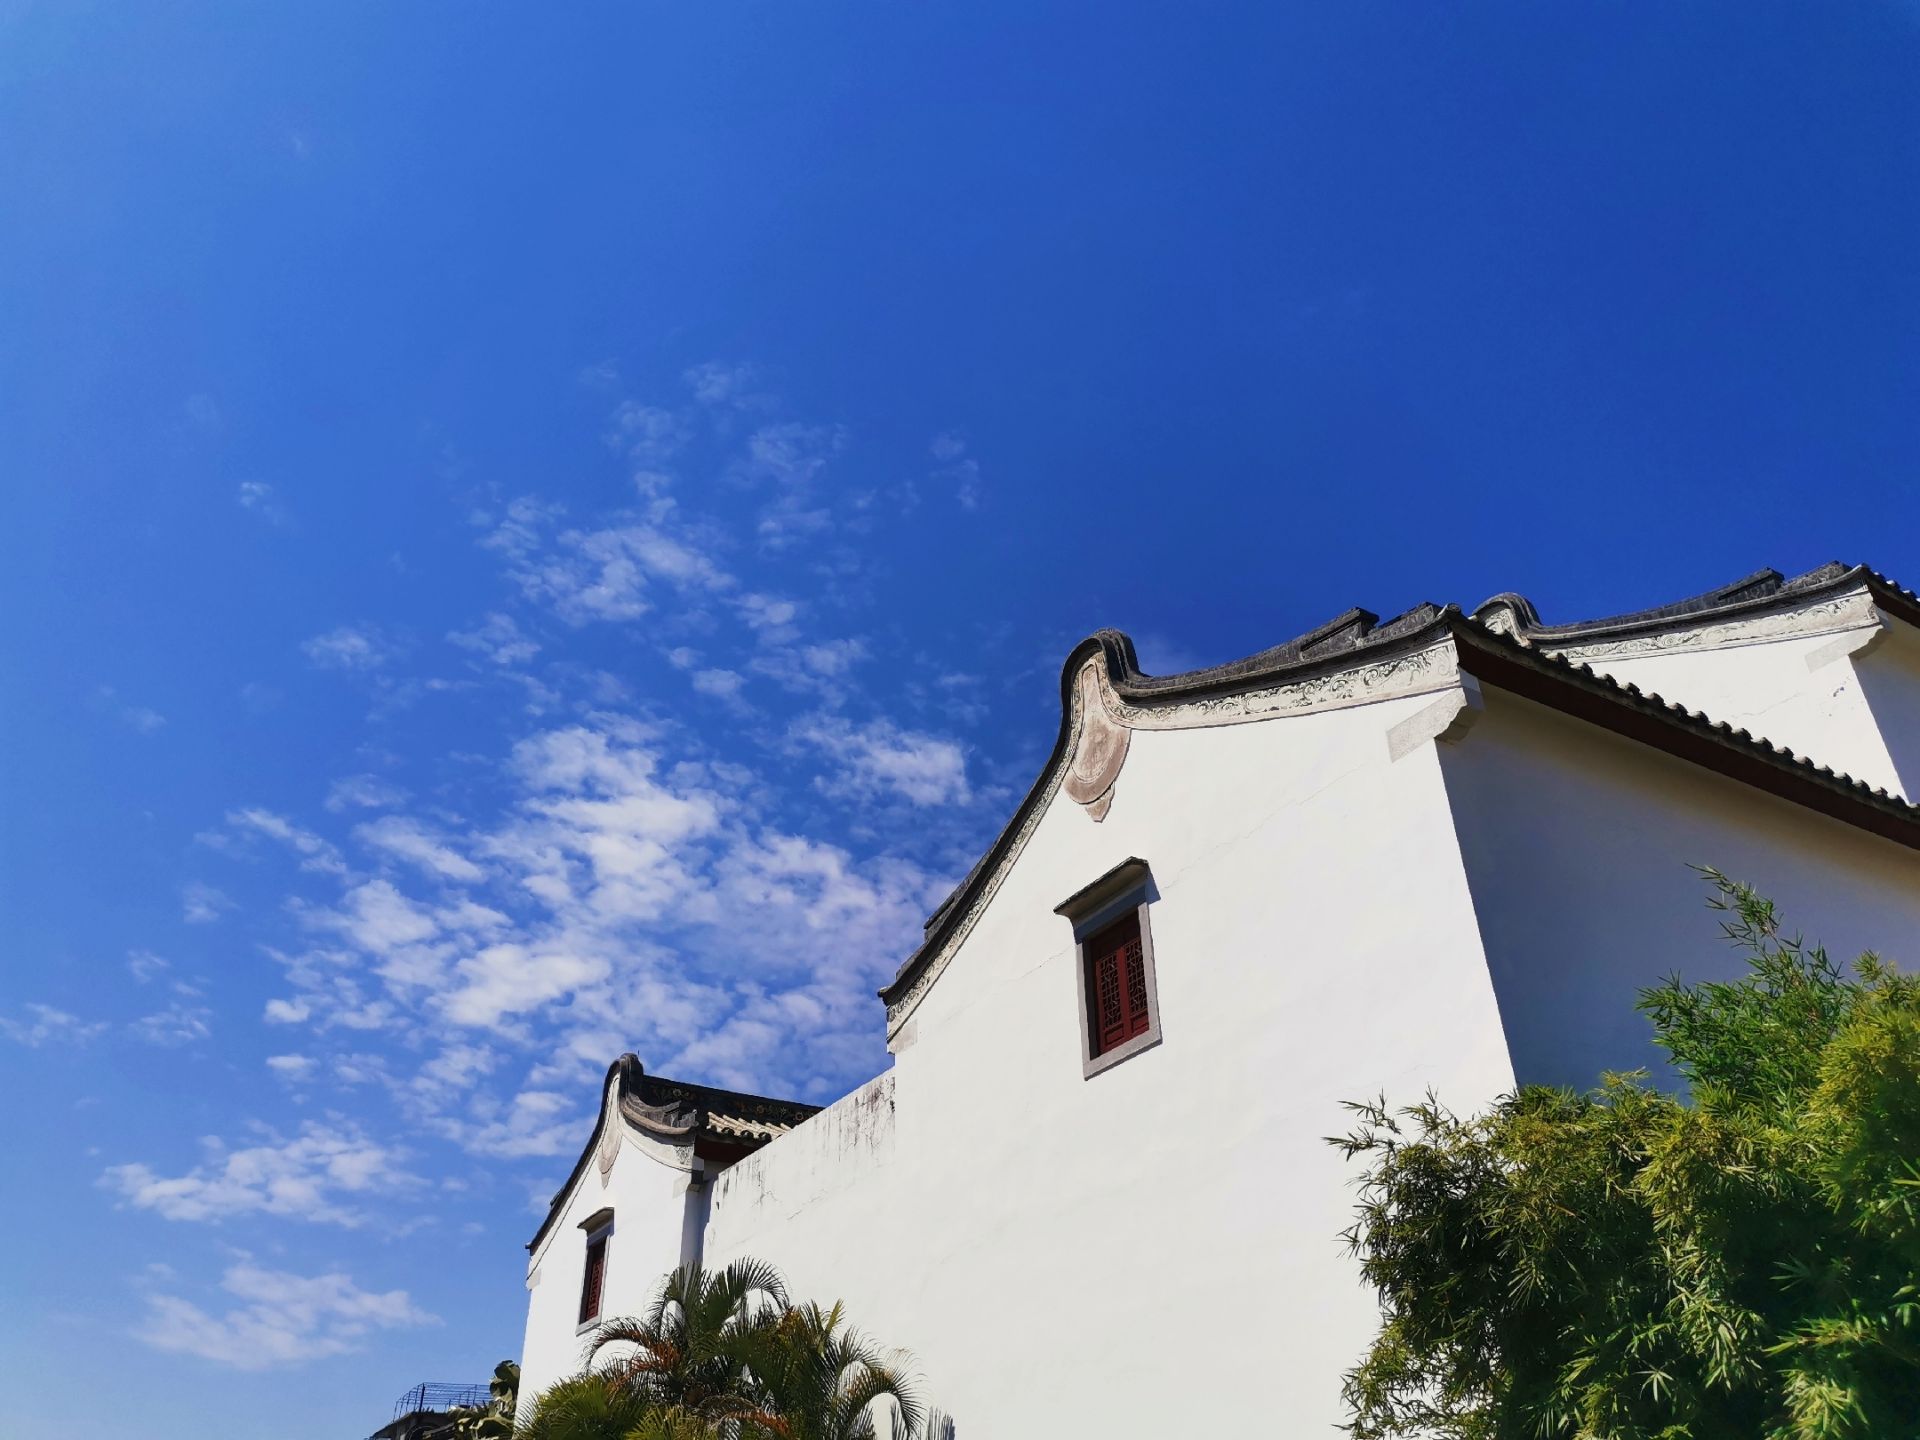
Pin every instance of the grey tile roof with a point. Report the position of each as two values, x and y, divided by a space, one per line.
722 1125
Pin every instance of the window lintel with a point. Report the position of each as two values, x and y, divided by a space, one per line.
1090 901
601 1219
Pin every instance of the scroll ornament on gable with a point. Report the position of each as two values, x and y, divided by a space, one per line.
610 1128
1100 748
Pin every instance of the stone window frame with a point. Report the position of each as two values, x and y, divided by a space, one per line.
1128 886
598 1228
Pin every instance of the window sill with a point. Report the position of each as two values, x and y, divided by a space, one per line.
1107 1059
587 1325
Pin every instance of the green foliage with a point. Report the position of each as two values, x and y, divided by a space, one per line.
815 1379
722 1355
494 1420
1632 1265
597 1406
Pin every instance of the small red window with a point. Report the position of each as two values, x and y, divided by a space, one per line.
1116 985
596 1277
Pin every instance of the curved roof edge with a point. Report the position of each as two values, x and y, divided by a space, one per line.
1509 660
679 1112
1762 592
1349 638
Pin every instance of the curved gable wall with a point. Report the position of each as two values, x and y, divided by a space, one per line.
1314 942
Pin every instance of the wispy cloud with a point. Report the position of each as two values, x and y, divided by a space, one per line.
139 718
145 966
174 1026
45 1025
497 639
879 758
292 1068
309 1177
409 840
955 469
622 872
787 461
314 852
363 792
202 904
282 1319
258 499
350 648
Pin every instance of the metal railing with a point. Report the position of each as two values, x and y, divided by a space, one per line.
422 1411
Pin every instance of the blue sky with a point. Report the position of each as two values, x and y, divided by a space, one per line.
536 534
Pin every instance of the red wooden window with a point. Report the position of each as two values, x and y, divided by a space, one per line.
596 1277
1116 985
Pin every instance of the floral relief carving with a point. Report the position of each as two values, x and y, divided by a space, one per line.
1843 612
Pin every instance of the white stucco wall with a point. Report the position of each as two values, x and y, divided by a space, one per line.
1577 844
648 1196
1802 693
1889 676
1063 1255
1179 1213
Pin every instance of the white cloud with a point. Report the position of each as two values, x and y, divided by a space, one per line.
287 1012
504 980
201 904
139 718
283 1319
833 657
497 639
646 434
291 1067
315 853
607 574
955 468
45 1025
537 1122
256 497
350 649
145 966
408 840
175 1026
880 758
724 384
304 1178
788 459
771 617
722 684
364 792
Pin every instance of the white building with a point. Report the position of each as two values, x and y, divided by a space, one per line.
1443 852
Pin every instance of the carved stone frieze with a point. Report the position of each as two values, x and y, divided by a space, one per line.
1414 673
1853 610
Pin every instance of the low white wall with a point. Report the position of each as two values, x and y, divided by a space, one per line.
1154 1251
1577 845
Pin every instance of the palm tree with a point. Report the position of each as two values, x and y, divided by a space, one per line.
812 1379
687 1351
721 1355
596 1406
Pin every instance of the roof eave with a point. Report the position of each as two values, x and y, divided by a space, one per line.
1580 691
